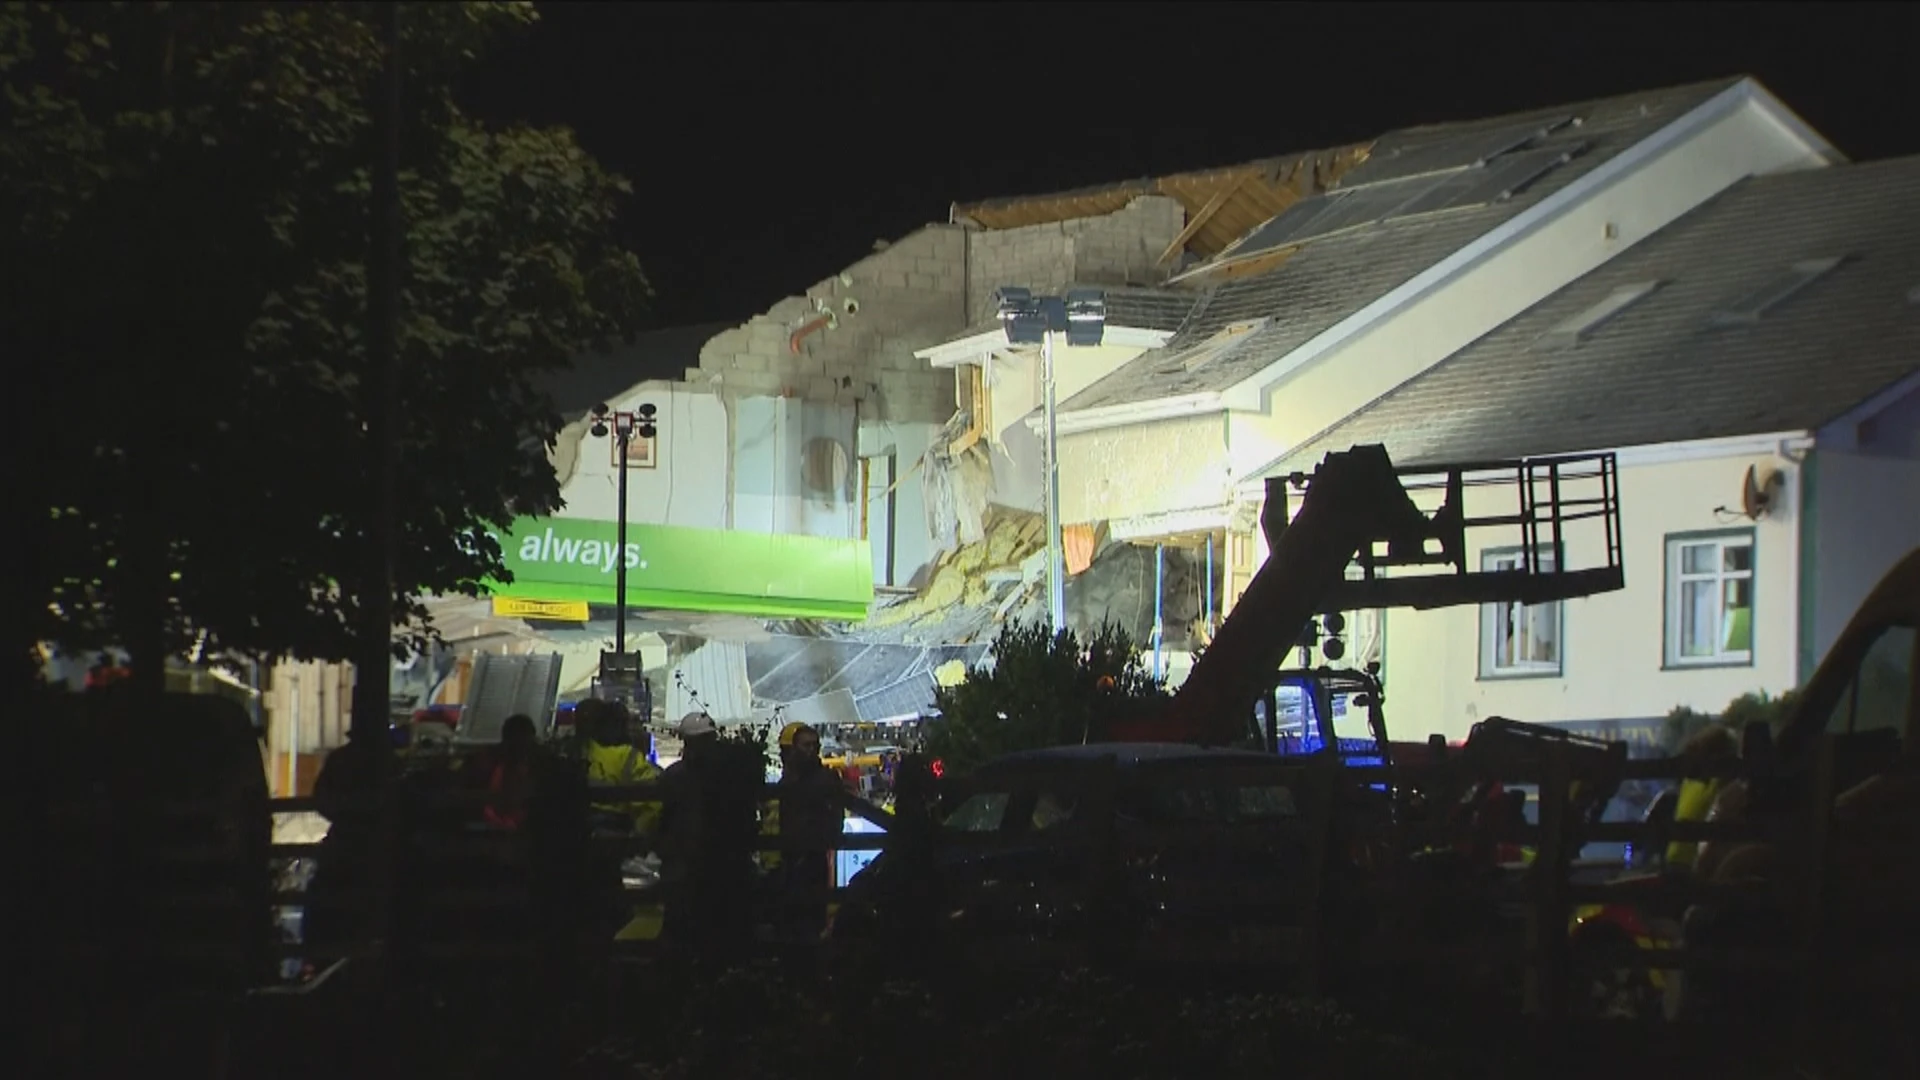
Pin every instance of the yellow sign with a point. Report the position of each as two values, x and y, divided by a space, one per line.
518 607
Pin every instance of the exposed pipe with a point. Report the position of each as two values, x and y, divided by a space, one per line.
893 512
811 326
1159 598
1209 588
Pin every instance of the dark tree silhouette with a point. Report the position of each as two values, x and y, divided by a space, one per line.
185 189
1042 689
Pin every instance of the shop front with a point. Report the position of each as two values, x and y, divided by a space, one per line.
568 566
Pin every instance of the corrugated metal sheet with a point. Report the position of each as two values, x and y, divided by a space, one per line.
1664 369
504 685
909 699
715 674
1332 278
833 708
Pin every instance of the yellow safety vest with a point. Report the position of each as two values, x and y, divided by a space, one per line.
770 826
621 766
1696 799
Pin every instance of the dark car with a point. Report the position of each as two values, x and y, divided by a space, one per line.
1154 851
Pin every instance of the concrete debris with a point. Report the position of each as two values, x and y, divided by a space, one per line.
957 485
957 604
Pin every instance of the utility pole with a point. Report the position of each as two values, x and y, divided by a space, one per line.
372 702
1056 544
1081 316
616 670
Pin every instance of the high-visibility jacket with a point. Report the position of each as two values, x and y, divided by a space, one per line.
1696 799
621 765
770 826
506 806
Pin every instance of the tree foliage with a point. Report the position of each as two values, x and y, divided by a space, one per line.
187 192
1683 722
1040 689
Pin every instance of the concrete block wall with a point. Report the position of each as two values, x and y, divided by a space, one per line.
870 318
1121 248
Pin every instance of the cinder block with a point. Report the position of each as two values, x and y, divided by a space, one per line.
755 384
751 362
800 368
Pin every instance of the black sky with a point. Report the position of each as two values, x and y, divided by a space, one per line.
771 144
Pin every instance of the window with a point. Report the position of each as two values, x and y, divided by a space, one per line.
1574 330
1516 639
1054 810
1749 309
980 813
1710 600
1881 694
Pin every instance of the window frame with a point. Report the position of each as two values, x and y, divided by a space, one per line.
1487 672
1672 546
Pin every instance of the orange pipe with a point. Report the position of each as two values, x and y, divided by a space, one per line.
811 325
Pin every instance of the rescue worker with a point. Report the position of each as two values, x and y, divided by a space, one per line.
346 793
810 819
618 756
1713 745
706 840
510 781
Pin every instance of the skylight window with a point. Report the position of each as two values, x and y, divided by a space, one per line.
1224 341
1752 307
1572 331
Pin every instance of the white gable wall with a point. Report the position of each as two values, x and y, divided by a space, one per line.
1865 493
1614 644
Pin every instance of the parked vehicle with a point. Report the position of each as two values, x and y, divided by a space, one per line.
1202 874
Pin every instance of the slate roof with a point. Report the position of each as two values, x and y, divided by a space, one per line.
1670 367
656 354
1329 279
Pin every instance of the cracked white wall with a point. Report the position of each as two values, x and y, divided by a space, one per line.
687 485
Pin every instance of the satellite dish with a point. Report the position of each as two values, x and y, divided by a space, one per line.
1759 489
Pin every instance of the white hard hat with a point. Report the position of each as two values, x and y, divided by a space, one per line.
695 724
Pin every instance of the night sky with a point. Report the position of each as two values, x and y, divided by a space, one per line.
771 144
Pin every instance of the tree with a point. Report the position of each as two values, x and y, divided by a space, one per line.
1041 689
188 191
1683 722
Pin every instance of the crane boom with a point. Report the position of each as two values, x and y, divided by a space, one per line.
1356 501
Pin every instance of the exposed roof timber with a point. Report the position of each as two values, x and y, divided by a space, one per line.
1256 191
1199 220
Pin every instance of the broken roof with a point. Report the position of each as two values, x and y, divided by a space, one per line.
1309 288
1734 320
1222 204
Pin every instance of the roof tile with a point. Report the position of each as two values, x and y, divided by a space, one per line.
1664 369
1330 279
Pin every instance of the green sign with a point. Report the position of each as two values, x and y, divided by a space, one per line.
742 573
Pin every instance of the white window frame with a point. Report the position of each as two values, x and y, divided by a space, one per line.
1678 578
1495 559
